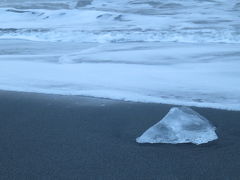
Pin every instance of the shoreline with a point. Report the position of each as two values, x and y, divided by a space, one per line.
65 137
150 73
167 103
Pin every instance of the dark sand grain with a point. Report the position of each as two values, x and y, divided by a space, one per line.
71 137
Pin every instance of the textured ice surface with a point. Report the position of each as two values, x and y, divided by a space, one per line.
180 125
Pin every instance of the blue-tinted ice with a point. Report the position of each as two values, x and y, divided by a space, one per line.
180 125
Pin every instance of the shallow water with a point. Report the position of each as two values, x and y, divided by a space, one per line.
173 51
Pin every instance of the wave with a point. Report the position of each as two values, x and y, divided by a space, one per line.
119 36
124 49
123 21
193 86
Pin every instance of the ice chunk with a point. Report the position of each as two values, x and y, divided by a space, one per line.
180 125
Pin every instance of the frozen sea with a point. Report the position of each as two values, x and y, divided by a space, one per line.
183 52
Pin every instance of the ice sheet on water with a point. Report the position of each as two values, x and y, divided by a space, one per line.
180 125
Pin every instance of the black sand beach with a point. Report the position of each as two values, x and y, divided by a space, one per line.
71 137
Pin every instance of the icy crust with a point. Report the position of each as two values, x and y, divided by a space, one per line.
180 125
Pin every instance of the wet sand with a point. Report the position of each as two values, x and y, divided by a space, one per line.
74 137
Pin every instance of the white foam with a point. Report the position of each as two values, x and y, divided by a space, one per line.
202 72
149 75
126 21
